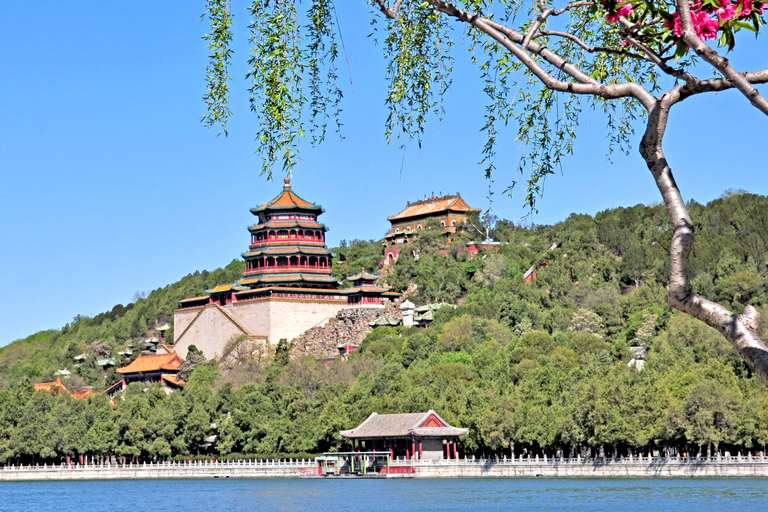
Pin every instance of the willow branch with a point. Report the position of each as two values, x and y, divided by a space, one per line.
588 48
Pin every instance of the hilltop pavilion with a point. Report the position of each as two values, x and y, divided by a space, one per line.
450 211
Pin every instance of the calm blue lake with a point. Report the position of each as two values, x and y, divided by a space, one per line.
444 494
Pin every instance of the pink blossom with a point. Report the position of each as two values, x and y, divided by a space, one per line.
676 26
762 8
705 26
746 8
624 11
725 13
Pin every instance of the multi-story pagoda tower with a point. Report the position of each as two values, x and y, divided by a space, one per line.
287 251
287 285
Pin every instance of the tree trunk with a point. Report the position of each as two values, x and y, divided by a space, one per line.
739 330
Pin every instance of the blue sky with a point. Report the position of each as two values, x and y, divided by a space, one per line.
110 185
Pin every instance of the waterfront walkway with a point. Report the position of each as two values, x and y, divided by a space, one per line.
625 467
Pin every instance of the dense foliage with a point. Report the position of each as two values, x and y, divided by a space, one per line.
531 367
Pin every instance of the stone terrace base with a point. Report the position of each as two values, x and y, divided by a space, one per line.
654 467
640 467
192 469
210 327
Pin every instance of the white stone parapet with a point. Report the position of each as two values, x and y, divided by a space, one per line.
623 467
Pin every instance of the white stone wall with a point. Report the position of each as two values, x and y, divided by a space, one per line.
181 320
209 332
273 319
288 319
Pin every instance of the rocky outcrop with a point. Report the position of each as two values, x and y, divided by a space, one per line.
350 325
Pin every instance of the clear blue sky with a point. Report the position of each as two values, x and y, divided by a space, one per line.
110 185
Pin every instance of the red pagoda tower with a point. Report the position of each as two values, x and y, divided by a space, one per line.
287 254
287 285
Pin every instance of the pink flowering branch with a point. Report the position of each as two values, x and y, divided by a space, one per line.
692 39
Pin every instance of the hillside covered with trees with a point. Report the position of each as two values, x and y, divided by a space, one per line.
534 367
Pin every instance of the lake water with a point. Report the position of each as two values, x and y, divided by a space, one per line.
624 495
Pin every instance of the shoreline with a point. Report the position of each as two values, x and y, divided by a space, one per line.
644 467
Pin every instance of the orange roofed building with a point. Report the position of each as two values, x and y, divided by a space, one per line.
58 387
450 211
151 369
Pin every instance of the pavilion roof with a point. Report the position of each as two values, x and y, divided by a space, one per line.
291 249
153 363
301 289
192 299
173 379
82 394
433 206
385 321
286 200
366 288
420 424
286 278
225 288
363 275
277 224
50 386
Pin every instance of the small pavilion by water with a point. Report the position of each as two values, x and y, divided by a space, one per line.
412 436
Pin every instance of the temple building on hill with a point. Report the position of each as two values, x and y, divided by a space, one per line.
450 211
421 436
150 369
365 292
287 286
58 387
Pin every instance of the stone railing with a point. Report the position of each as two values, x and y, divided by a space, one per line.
647 460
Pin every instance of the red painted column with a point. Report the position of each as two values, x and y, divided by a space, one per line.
455 450
414 448
420 453
407 453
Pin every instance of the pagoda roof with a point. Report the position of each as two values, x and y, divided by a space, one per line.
291 289
277 224
385 321
419 424
364 276
163 327
276 278
153 363
291 249
364 289
225 288
287 200
192 299
433 206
